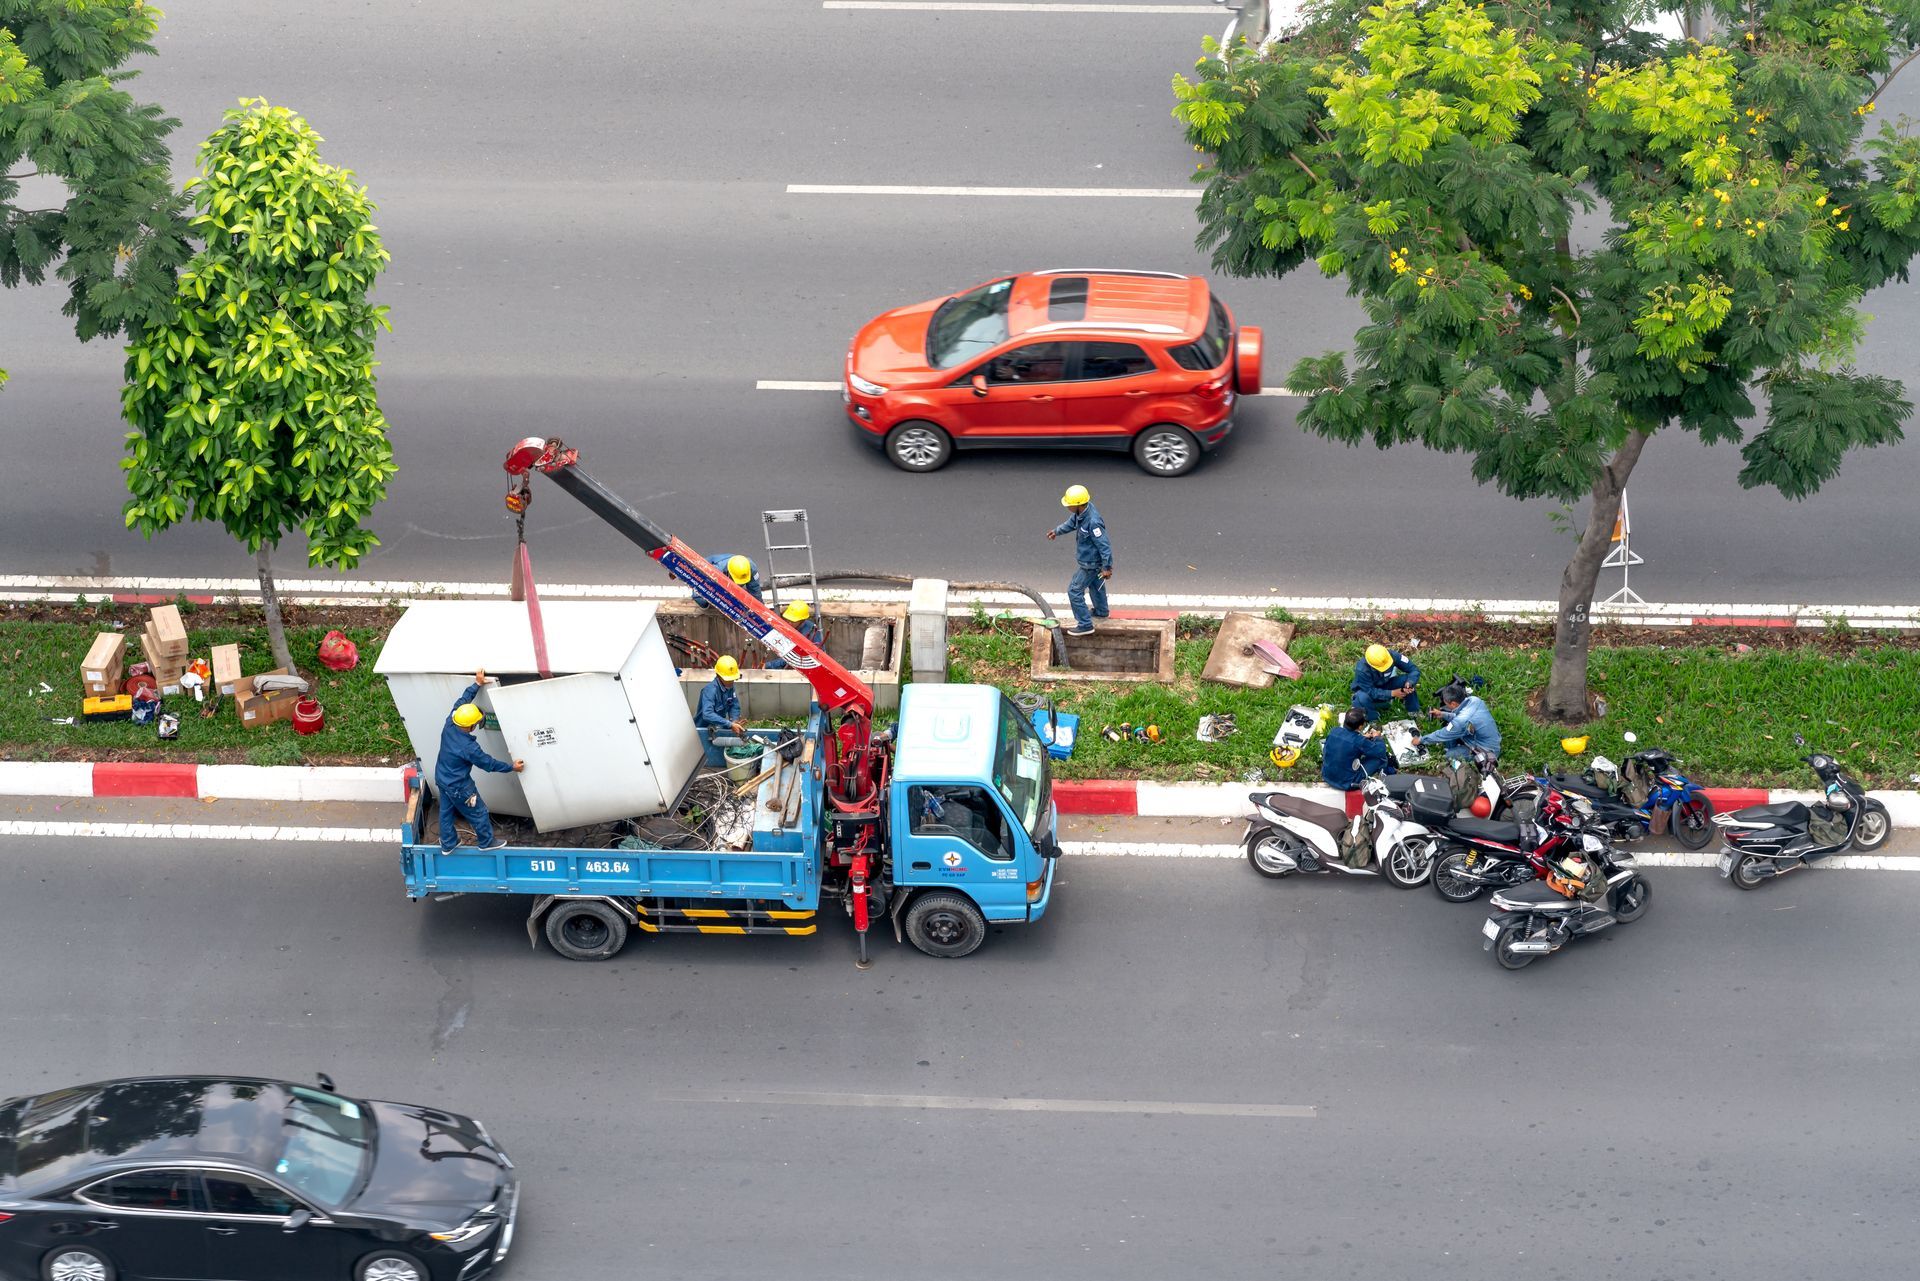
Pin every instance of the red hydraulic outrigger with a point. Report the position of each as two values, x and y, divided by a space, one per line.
855 771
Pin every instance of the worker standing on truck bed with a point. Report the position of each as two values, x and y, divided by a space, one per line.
719 713
453 772
1093 556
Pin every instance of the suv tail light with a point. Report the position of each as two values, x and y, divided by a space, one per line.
1214 388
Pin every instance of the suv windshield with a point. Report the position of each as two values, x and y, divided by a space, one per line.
968 324
1020 771
329 1143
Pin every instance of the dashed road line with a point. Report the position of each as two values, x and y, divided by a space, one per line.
1111 193
969 1103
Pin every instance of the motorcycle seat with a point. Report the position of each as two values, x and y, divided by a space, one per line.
1285 803
1778 812
1579 787
1536 892
1486 829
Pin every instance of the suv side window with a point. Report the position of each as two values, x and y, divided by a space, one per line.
1040 362
967 813
1113 360
238 1194
145 1190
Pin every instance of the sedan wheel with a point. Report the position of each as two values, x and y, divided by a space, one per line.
918 446
388 1266
76 1263
1166 450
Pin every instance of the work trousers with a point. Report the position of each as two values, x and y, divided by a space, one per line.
1374 704
1087 585
464 802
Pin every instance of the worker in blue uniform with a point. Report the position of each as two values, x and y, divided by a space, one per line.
800 614
1383 677
1093 558
742 571
1352 753
453 772
719 712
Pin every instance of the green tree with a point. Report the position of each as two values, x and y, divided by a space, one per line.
253 402
118 231
1437 156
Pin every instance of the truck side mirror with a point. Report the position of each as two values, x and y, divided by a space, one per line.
979 382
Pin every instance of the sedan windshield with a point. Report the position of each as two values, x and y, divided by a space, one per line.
329 1145
1020 771
966 325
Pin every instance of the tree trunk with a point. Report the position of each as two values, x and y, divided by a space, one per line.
277 630
1566 698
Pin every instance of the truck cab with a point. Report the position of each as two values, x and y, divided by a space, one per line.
971 816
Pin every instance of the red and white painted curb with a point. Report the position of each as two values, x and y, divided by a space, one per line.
205 782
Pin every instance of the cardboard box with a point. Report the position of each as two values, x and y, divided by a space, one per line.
257 710
165 666
168 632
226 669
105 659
102 689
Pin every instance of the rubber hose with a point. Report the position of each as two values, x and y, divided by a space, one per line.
867 576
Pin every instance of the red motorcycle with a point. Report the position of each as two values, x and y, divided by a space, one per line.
1489 854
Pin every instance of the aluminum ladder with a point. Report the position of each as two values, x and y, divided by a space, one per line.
782 528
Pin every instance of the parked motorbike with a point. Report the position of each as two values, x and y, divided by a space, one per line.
1763 841
1673 802
1288 834
1488 854
1541 917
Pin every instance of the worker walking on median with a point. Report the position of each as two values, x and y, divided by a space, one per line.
800 614
742 571
719 711
1093 555
1385 676
453 772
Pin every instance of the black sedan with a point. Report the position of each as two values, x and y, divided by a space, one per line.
214 1179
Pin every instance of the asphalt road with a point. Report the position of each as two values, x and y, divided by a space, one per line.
1723 1089
592 238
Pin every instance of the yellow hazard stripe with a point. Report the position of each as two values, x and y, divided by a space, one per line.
797 930
789 916
648 926
721 929
706 913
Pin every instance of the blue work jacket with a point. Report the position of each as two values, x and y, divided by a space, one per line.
1090 545
459 753
1374 685
719 708
1346 755
751 587
1470 725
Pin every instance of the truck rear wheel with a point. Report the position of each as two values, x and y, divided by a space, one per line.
585 929
946 925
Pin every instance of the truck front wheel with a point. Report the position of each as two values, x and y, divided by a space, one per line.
585 930
946 925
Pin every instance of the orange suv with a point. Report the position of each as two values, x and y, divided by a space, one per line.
1145 361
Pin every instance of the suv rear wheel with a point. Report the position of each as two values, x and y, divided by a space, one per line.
918 446
1166 450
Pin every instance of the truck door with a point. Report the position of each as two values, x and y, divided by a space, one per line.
960 835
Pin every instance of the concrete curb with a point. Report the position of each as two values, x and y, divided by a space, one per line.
208 782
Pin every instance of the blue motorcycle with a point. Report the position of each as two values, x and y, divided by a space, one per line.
1680 803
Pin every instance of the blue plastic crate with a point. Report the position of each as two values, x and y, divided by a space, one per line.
1069 723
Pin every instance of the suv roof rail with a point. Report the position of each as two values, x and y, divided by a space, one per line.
1117 326
1109 271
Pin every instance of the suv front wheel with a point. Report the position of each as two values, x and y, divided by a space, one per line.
918 446
1166 450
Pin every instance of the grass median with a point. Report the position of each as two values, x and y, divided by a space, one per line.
1726 704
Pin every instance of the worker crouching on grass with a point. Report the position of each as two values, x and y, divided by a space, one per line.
453 772
1093 554
800 614
1383 677
719 712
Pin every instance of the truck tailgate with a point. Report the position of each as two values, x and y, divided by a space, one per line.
720 874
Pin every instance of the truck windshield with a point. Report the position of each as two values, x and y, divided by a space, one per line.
1020 771
968 324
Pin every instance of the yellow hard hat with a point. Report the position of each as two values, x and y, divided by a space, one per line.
1379 658
728 668
1076 496
1574 746
739 569
466 716
798 612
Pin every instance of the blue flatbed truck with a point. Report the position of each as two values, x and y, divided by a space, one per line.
943 823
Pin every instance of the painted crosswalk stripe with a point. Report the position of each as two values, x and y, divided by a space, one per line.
1111 193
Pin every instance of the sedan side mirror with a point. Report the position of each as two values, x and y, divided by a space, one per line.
298 1219
979 384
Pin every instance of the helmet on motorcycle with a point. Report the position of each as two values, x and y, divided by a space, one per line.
1481 807
1379 657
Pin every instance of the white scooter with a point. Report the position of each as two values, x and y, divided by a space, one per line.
1288 834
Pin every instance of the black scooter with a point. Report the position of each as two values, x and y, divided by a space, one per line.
1764 841
1535 920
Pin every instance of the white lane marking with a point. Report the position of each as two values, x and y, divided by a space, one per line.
958 1102
1119 193
1008 6
775 384
1151 849
204 832
1646 859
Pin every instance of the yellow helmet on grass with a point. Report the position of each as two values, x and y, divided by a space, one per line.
1574 746
466 716
728 668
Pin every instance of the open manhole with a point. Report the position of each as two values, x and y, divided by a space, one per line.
1120 649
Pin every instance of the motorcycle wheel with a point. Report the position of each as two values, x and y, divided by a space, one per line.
1631 899
1449 883
1875 826
1503 949
1743 875
1409 863
1263 854
1692 822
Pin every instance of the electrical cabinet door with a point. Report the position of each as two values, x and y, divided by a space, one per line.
586 760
